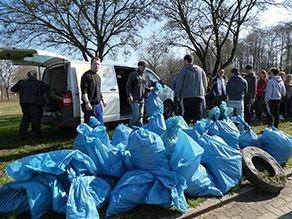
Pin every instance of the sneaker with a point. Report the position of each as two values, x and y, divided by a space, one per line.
281 117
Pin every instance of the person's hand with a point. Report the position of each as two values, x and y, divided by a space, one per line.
104 103
130 99
178 99
251 101
88 107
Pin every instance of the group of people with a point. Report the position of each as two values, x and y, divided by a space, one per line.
248 95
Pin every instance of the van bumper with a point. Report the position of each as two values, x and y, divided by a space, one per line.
61 122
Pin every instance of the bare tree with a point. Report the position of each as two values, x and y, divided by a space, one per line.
92 27
205 27
7 72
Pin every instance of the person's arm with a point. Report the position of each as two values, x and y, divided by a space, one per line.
129 87
84 88
180 83
205 84
147 87
254 86
15 88
268 92
228 88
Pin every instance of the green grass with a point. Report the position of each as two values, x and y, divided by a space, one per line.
54 138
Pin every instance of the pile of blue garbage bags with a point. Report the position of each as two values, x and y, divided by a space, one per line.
156 164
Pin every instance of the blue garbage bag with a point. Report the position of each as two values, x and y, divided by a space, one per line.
186 161
249 137
121 134
75 163
202 125
223 129
93 122
156 124
223 161
147 150
87 194
227 113
126 155
192 132
277 143
153 103
169 136
164 188
37 195
108 160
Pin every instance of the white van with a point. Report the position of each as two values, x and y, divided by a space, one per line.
63 107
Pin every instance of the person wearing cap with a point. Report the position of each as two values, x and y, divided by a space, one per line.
138 89
31 100
191 88
91 92
250 96
236 89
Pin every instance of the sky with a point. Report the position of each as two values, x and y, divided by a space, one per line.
273 16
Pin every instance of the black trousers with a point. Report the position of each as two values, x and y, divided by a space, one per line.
218 100
247 109
32 113
273 108
192 109
260 107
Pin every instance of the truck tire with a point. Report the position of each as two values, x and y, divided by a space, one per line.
168 109
262 170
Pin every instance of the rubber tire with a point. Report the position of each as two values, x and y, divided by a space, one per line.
168 109
253 159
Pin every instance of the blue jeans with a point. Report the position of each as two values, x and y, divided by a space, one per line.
137 118
238 106
96 112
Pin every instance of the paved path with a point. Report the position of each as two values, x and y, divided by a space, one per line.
259 205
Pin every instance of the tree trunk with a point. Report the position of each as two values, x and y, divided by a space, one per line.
7 94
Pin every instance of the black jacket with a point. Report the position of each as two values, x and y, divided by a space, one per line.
138 86
30 90
236 88
90 85
252 85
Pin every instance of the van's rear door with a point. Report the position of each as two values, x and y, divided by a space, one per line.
31 57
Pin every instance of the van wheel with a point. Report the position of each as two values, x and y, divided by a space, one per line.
262 170
168 109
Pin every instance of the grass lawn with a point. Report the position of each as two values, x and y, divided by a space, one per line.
55 138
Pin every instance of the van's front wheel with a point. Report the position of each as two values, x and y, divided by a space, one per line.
168 109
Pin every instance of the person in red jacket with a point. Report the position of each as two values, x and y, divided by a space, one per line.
261 91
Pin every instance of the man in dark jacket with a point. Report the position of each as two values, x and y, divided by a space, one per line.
191 88
250 96
236 89
138 88
91 92
31 100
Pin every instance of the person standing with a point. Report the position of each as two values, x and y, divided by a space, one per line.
219 88
236 88
91 92
288 86
177 107
31 100
191 88
138 89
283 103
261 91
274 93
250 96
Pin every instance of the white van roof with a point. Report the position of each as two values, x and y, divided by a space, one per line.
31 57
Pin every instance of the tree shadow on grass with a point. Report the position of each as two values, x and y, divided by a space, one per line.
9 133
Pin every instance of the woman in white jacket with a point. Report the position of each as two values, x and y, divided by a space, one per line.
274 93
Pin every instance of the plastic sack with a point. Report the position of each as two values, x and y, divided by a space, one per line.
93 122
75 163
121 134
107 159
147 150
202 125
222 129
192 132
186 161
169 136
37 195
223 161
156 124
277 143
137 187
249 137
227 113
87 194
153 103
